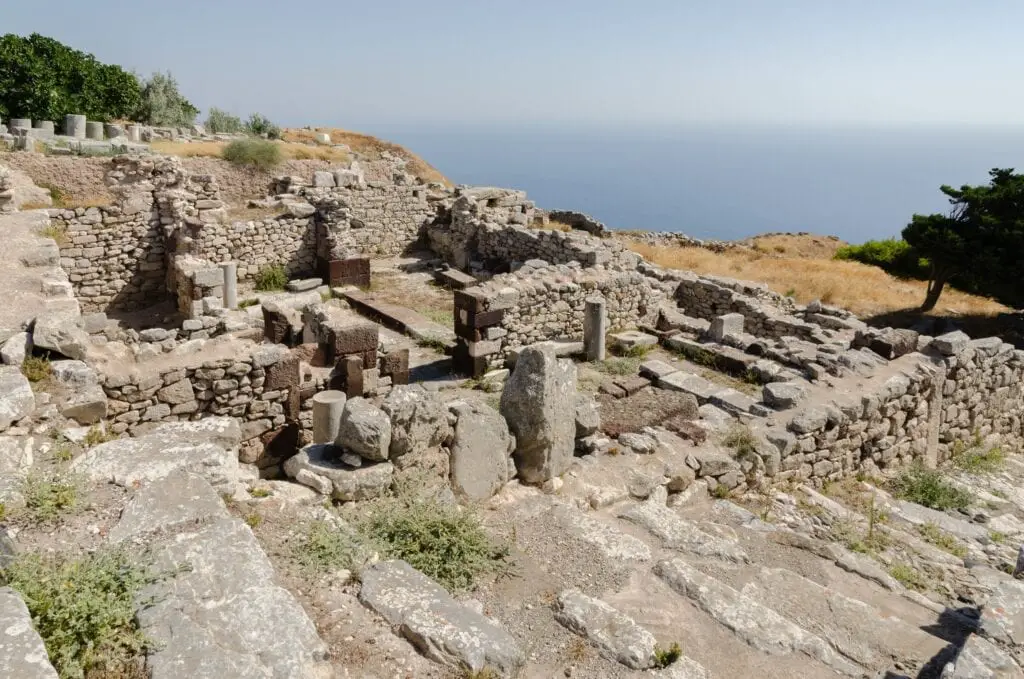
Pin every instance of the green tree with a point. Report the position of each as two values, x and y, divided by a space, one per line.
259 125
43 79
222 122
978 242
162 104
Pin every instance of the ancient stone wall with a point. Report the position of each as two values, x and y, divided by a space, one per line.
289 240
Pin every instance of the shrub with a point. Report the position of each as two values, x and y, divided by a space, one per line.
222 122
35 368
446 542
976 460
259 125
741 440
162 104
893 255
663 658
47 497
271 278
245 303
326 548
928 487
84 609
255 153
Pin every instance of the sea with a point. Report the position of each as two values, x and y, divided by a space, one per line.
723 182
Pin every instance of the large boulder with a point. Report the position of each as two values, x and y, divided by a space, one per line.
86 405
22 652
365 430
419 421
16 348
16 398
60 333
479 452
539 403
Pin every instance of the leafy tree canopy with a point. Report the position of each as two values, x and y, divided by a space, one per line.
162 104
43 79
980 241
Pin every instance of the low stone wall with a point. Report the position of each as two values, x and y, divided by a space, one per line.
289 240
955 393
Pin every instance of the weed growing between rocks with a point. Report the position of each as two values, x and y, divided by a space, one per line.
908 576
84 609
741 441
619 366
97 435
36 368
433 343
271 278
328 548
944 541
977 460
48 497
929 488
663 658
246 303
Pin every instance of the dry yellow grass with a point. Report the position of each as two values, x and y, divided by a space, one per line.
369 146
552 225
213 149
863 289
796 245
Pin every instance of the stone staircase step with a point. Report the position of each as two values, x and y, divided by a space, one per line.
400 318
617 635
757 625
859 631
441 628
611 542
678 534
22 653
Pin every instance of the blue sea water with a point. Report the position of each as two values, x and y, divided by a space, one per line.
724 182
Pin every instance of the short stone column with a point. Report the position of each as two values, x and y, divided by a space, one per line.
94 130
135 133
327 407
44 126
595 328
727 324
230 270
74 126
20 124
113 131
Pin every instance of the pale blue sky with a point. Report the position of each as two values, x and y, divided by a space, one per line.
582 61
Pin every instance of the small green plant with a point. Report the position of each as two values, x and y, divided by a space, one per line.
253 520
936 536
260 492
35 368
791 292
326 296
3 511
62 450
97 435
446 542
271 278
929 488
246 303
741 440
999 493
57 194
440 316
977 460
635 351
58 233
433 343
84 609
720 492
326 548
908 576
663 658
485 673
996 537
47 497
258 154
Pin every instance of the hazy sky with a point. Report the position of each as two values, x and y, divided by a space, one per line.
584 61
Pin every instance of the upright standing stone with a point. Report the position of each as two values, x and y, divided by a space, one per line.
44 126
595 327
327 409
728 324
21 124
94 130
230 270
113 130
539 403
135 133
74 126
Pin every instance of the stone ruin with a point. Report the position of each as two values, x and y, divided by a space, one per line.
296 387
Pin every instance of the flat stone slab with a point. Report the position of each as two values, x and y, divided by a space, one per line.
563 348
1002 617
178 499
223 615
981 659
677 533
22 652
304 284
919 516
757 625
633 339
193 446
655 369
689 383
733 401
632 384
400 318
455 279
617 635
441 628
612 543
